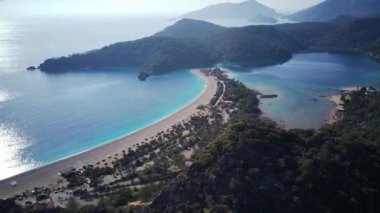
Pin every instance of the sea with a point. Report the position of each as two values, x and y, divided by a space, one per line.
303 83
48 117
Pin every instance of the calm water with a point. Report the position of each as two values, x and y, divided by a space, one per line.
306 76
26 41
44 118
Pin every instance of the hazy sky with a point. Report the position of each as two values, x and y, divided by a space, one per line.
130 6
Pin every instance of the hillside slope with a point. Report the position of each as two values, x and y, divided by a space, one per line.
188 28
254 166
191 44
331 9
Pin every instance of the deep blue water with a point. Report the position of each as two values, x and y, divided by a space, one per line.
306 76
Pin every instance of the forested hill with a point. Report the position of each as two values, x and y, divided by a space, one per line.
253 166
192 44
153 54
330 9
189 28
362 34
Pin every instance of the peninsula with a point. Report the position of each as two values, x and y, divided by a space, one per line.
192 44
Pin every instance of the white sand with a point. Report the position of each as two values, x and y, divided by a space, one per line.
43 176
336 100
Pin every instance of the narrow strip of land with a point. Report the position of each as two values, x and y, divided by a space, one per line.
221 96
46 175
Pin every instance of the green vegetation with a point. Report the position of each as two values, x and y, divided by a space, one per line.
255 165
8 205
152 54
360 35
244 164
188 28
190 44
329 10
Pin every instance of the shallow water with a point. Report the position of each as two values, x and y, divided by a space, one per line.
44 118
304 77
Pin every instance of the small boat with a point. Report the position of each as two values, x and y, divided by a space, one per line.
14 183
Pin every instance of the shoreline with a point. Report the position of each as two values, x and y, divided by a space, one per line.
336 100
47 175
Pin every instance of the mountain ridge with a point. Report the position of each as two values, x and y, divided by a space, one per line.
188 28
331 9
177 47
244 10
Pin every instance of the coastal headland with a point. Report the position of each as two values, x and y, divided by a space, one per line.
48 175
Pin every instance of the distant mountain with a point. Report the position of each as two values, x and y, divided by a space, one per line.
246 10
330 9
188 28
263 19
192 43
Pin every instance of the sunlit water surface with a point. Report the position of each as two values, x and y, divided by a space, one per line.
44 118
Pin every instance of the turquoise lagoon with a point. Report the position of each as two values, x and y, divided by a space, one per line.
305 77
44 118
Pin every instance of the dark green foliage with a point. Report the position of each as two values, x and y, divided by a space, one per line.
148 192
254 165
247 99
188 28
96 173
153 54
9 205
306 33
88 209
191 44
254 42
250 166
330 9
362 34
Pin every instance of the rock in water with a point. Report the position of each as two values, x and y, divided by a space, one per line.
31 68
143 76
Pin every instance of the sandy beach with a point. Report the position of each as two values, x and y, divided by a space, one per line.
336 99
46 175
